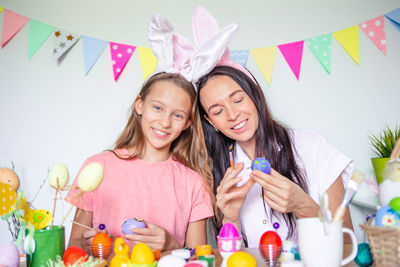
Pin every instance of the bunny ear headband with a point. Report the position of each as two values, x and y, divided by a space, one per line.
176 54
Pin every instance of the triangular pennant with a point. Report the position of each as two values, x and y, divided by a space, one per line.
38 33
92 49
12 23
394 17
321 46
63 41
120 55
239 56
375 30
264 58
348 38
1 9
293 54
148 61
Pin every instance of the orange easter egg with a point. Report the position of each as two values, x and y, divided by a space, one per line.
8 176
102 239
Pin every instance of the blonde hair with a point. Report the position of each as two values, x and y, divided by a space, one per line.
189 148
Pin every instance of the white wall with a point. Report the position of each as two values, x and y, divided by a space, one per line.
52 113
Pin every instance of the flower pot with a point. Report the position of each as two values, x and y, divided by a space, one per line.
48 244
379 166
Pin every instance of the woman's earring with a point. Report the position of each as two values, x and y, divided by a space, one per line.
216 129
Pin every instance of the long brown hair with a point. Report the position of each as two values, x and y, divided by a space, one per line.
189 148
272 139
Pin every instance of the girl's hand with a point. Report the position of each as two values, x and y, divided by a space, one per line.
87 238
154 236
284 196
230 198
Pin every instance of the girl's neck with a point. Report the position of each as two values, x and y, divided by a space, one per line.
155 155
249 147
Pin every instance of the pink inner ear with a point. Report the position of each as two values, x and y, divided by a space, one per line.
204 25
183 50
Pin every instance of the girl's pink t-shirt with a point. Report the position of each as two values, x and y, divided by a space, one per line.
165 193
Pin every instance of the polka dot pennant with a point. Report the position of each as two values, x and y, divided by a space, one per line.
8 198
63 41
120 55
321 46
375 30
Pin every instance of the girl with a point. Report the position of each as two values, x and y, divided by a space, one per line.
234 112
153 173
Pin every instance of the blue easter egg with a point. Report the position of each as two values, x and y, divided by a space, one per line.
261 164
129 224
386 216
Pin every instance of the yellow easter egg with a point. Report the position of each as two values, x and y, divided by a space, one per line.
142 254
241 259
58 172
8 198
8 176
91 177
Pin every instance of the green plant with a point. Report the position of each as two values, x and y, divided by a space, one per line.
383 143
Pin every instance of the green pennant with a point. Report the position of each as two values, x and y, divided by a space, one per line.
38 33
321 47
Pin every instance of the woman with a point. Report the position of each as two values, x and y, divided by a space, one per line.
234 113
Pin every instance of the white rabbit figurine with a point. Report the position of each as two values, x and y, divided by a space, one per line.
390 187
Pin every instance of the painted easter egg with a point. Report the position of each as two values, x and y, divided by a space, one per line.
142 254
129 224
171 261
270 245
197 263
241 259
386 216
8 176
395 204
271 238
261 164
9 255
8 198
229 239
228 230
90 177
58 176
74 256
102 239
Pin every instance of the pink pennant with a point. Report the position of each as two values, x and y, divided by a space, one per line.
12 23
375 30
293 53
120 55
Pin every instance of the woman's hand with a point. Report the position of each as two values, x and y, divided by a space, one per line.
154 236
230 198
284 196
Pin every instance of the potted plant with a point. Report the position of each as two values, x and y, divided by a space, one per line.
382 144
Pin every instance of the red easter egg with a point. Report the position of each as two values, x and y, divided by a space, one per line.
271 238
74 255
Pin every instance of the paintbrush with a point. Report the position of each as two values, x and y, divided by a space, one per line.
230 148
352 187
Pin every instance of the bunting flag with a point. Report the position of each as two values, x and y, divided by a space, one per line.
12 23
348 38
63 41
293 53
148 61
239 56
92 49
120 55
264 58
38 33
375 30
394 17
321 46
1 9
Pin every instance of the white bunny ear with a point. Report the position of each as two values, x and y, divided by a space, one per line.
206 57
204 25
160 34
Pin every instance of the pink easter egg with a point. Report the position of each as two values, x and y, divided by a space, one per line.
9 255
228 230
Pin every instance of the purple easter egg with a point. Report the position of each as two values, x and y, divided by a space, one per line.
261 164
9 255
129 224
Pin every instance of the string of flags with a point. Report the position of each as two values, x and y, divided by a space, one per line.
264 57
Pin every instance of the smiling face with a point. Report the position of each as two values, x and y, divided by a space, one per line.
229 109
165 113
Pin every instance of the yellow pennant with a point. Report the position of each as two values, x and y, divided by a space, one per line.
1 8
264 58
8 198
148 61
348 38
